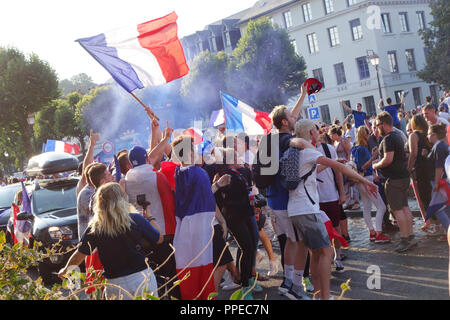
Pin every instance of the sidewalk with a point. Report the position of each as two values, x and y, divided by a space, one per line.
411 202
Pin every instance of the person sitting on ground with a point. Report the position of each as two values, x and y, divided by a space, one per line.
116 234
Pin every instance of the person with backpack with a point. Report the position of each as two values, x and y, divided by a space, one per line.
277 196
304 209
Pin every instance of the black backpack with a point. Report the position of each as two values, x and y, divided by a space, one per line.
263 181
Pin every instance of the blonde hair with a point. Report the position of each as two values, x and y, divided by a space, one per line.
277 115
111 211
362 135
303 128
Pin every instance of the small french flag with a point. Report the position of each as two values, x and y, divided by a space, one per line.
148 54
240 117
61 146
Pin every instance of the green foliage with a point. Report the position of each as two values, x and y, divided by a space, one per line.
268 71
26 85
80 83
437 40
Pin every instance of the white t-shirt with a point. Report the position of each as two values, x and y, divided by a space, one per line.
299 203
442 120
327 188
444 115
351 133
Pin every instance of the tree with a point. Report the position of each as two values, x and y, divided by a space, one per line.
207 77
437 40
81 83
26 85
268 71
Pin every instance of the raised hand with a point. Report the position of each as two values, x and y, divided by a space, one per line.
167 133
93 137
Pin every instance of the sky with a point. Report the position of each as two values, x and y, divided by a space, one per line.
49 28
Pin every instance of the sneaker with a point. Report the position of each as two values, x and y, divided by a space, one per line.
307 285
297 293
355 206
403 245
443 238
285 286
339 266
372 236
249 295
257 287
381 238
273 268
411 237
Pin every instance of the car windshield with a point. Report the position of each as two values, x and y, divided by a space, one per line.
54 198
7 196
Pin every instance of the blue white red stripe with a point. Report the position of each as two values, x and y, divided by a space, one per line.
239 117
62 146
149 54
195 207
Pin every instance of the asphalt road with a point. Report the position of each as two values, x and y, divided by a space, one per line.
420 273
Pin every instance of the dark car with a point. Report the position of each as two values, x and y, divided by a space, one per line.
53 211
7 194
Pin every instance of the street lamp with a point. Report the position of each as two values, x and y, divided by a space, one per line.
374 60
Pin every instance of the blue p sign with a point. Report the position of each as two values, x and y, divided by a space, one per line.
314 113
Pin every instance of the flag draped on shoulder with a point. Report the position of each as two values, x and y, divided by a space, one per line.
195 207
148 54
239 117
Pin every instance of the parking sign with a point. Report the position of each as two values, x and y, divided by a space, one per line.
314 113
312 99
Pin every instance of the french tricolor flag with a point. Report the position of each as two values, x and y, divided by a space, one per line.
240 117
61 146
195 208
149 54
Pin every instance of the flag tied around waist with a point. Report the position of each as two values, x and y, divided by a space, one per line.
149 54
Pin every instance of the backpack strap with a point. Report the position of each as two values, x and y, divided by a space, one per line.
304 178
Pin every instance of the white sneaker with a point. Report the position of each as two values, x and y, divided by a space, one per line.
307 285
273 268
228 283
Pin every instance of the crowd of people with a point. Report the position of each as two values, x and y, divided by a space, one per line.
130 213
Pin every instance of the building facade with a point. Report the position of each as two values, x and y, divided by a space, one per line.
336 36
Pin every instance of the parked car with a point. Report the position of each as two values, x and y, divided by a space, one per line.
7 194
53 209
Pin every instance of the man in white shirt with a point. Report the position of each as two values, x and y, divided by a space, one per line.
304 210
430 114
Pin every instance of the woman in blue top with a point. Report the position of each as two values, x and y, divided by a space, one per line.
117 235
363 159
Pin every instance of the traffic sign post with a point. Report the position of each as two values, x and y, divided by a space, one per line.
108 147
312 99
314 113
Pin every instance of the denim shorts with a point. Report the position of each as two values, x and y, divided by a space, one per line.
310 229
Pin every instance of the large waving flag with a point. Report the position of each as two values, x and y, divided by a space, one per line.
239 117
148 54
195 208
22 228
217 118
61 146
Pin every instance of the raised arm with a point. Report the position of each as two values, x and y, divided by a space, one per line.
156 135
156 153
298 106
89 158
380 104
346 107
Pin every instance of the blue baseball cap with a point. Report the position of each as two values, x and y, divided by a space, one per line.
137 156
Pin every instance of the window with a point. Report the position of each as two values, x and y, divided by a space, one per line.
340 73
227 39
421 19
355 26
404 21
312 43
386 23
392 57
294 44
329 7
346 113
307 15
287 19
370 105
398 96
410 60
416 96
325 113
352 2
317 74
434 90
363 68
213 43
272 21
334 36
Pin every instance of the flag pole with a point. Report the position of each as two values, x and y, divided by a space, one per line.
149 111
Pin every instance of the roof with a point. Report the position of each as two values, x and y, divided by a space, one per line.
236 16
263 7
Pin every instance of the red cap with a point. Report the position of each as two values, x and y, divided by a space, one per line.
313 85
